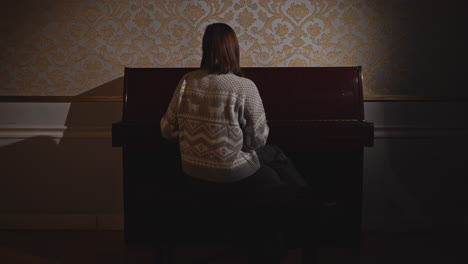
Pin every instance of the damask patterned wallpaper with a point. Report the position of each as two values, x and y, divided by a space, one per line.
67 47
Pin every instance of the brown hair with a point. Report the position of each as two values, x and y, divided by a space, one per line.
220 50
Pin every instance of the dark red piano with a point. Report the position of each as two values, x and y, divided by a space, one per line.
315 115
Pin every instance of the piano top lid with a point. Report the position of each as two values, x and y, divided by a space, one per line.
288 93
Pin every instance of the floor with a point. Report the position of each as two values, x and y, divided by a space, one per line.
90 247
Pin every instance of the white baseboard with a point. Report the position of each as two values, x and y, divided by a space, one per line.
62 221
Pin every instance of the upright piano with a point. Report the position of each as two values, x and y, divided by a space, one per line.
315 115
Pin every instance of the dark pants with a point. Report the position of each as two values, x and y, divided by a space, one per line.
276 172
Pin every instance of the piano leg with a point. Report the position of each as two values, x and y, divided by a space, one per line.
163 254
158 254
310 254
356 254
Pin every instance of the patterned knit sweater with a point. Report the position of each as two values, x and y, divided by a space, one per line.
219 122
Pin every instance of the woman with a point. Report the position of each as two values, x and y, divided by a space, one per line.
217 116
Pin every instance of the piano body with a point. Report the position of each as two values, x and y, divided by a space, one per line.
315 115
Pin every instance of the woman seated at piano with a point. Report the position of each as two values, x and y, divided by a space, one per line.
218 119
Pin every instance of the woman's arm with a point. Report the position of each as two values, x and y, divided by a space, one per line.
169 122
252 120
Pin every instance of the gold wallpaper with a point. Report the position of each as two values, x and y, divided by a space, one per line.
68 47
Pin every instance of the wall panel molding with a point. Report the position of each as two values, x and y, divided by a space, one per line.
60 99
56 132
62 221
382 132
59 132
94 98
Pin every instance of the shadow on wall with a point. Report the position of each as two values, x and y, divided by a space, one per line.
111 88
77 173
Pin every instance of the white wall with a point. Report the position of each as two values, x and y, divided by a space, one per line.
414 175
58 169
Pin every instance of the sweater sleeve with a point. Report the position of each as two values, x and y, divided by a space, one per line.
169 122
252 120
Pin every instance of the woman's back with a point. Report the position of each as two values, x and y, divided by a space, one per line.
219 121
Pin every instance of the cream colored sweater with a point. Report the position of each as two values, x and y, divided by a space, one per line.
219 122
